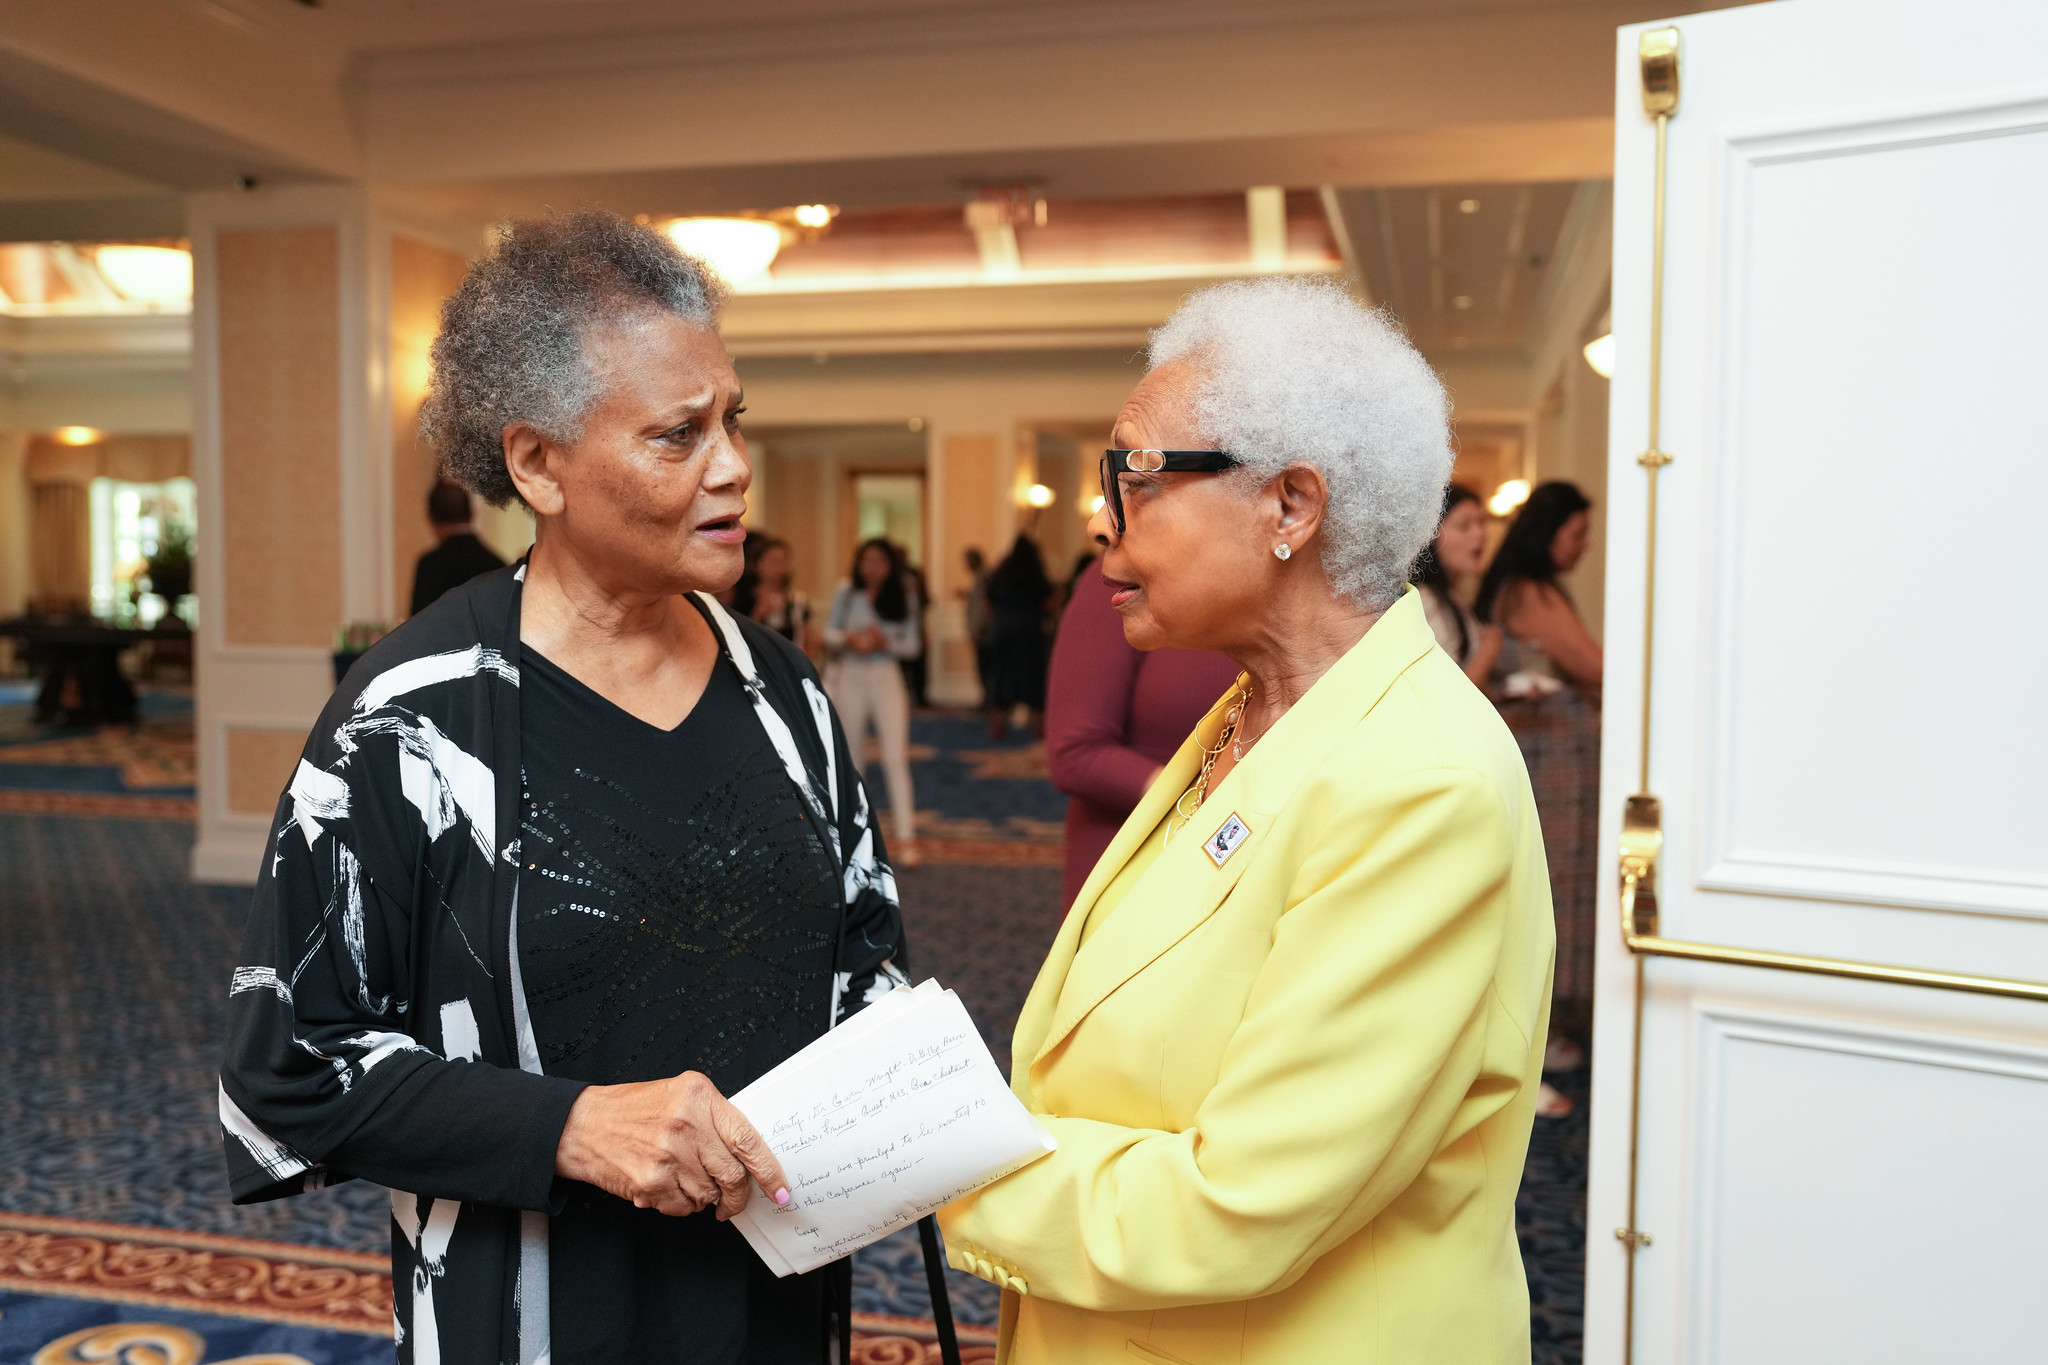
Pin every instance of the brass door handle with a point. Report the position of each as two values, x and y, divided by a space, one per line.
1642 844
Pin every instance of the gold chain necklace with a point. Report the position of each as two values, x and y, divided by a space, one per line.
1200 791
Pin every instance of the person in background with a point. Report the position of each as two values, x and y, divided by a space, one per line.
1457 553
1017 593
977 613
459 556
871 630
915 672
1547 679
771 595
739 598
1102 745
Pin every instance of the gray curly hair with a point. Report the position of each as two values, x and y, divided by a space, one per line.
1295 370
511 343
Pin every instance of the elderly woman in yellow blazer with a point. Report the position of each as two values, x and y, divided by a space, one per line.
1290 1035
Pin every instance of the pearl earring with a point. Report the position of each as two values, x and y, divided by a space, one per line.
1281 551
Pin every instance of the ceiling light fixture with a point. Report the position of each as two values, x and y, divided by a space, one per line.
740 250
1468 206
78 436
1096 503
1038 495
1508 497
1600 355
147 274
815 215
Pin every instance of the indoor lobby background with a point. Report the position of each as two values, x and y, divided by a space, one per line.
226 230
1019 193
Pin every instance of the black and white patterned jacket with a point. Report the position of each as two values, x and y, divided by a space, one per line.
377 1028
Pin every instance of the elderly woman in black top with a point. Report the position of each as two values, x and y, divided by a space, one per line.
570 857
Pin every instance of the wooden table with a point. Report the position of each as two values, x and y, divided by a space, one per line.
79 663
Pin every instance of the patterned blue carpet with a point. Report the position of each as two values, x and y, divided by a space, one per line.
111 993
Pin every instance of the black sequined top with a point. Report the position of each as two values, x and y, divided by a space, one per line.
679 915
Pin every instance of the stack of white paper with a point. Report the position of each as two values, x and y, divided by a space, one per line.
896 1113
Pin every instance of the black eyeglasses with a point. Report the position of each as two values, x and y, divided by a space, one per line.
1115 462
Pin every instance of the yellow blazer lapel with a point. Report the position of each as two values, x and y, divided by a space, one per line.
1035 1019
1134 934
1169 902
1184 887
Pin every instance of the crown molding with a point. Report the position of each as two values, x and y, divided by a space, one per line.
890 31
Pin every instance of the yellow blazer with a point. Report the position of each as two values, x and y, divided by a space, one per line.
1293 1091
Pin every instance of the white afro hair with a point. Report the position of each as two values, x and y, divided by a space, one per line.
1296 371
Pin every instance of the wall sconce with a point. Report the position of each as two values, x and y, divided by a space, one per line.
1093 505
1038 495
1600 355
78 436
1508 497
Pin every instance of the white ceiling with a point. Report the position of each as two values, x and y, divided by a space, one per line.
464 111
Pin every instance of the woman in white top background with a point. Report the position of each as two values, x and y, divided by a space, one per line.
874 626
1448 571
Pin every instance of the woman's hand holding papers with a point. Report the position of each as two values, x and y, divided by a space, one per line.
675 1145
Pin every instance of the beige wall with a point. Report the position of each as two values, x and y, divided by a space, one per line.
422 276
14 523
279 306
291 423
260 763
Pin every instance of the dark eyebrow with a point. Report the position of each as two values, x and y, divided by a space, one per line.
687 411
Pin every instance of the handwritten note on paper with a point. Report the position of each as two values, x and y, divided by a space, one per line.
896 1113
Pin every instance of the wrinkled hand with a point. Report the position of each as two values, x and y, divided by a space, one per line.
675 1145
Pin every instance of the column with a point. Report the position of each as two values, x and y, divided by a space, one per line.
311 317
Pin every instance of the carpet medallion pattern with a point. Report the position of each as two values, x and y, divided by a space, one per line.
333 1290
174 1280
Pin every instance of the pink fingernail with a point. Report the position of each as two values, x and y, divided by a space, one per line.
781 1197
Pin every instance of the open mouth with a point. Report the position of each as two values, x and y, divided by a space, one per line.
725 530
1120 592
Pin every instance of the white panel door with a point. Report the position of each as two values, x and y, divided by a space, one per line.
1850 720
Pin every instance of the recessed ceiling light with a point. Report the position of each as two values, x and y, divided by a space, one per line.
1468 206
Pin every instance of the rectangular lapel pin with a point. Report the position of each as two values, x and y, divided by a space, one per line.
1225 841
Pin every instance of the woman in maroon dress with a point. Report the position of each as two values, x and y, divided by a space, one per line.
1113 716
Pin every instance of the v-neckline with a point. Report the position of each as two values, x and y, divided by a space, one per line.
721 660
